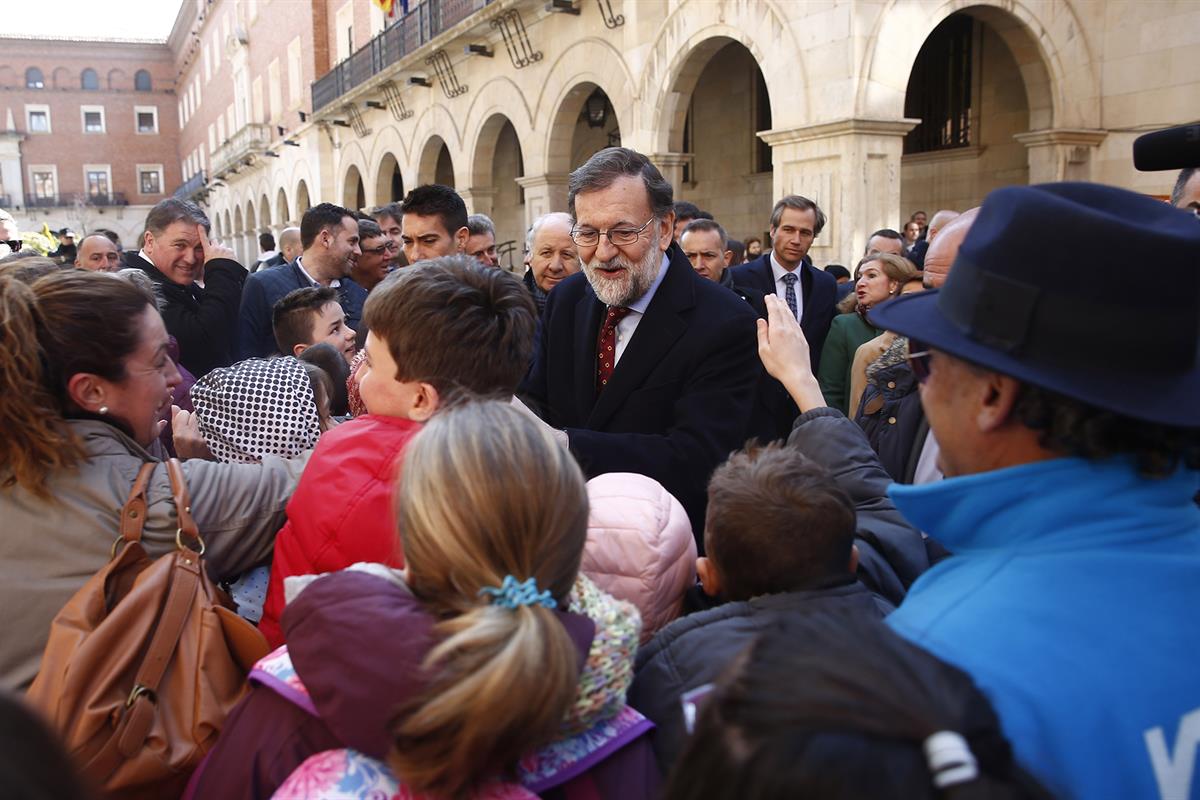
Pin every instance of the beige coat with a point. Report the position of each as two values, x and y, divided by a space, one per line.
49 548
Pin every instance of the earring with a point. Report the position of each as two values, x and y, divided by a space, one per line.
103 411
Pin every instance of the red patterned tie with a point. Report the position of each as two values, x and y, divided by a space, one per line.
606 349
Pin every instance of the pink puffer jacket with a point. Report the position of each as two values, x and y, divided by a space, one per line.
639 546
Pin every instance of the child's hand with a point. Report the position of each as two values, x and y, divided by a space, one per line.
185 433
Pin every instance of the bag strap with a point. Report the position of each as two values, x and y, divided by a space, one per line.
183 505
133 513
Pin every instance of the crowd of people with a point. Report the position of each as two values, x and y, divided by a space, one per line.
667 515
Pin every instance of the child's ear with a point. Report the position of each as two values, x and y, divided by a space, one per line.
425 403
707 572
299 348
853 559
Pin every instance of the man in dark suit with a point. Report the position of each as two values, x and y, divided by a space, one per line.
809 293
175 252
329 236
642 365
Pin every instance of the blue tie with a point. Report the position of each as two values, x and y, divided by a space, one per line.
790 294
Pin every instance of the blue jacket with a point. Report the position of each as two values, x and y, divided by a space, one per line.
1072 600
265 288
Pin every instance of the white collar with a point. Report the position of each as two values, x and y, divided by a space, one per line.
778 270
333 284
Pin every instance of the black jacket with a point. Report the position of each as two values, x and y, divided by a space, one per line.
265 288
203 321
681 398
891 416
696 650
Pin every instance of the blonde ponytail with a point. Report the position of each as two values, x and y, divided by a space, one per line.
486 494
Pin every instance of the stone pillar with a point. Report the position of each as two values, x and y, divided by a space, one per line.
479 199
851 169
543 194
1061 154
671 166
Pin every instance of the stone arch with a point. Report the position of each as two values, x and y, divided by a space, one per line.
61 78
483 154
282 213
264 213
352 187
389 180
435 121
566 90
353 192
688 39
303 200
1043 36
227 228
116 79
498 96
433 164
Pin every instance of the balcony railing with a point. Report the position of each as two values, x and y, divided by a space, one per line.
425 22
247 141
191 186
75 198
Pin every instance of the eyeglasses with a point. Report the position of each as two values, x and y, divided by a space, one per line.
918 360
376 251
620 237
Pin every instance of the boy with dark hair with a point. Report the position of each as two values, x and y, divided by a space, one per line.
305 317
434 223
481 322
780 543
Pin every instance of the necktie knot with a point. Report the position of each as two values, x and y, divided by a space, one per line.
615 314
790 278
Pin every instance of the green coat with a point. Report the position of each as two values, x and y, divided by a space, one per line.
847 333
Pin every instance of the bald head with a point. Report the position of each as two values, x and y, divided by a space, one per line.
941 253
98 254
289 244
940 220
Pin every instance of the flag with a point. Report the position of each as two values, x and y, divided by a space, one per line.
388 6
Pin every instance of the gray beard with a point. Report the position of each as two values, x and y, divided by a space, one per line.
640 276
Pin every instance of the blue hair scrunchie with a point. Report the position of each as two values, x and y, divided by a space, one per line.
513 594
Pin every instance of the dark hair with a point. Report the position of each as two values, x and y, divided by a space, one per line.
393 211
368 229
1185 175
293 314
333 364
171 210
64 323
319 218
112 236
687 210
750 239
607 165
777 522
837 271
834 704
886 233
482 320
798 203
435 200
33 763
914 215
700 224
266 241
1073 427
739 252
322 389
28 268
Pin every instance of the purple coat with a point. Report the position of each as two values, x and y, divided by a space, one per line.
358 642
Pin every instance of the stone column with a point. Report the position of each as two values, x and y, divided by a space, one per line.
851 169
671 166
479 199
1061 154
543 194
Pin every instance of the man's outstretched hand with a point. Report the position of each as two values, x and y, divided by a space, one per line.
784 352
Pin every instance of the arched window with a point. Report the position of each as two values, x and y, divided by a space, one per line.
33 79
89 80
141 81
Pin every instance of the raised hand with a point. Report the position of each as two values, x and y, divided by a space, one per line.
784 353
185 433
213 249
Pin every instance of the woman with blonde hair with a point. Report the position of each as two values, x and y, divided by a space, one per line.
85 389
881 277
487 668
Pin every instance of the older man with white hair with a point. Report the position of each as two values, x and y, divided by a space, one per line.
553 255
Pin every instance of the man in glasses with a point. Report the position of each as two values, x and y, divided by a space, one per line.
373 265
642 365
330 240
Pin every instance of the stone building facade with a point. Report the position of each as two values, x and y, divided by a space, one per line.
875 108
88 132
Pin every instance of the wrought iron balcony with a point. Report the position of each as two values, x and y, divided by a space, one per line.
247 142
192 186
75 198
425 22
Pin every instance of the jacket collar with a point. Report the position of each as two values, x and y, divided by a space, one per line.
101 438
1060 504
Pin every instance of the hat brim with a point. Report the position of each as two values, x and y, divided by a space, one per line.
1168 399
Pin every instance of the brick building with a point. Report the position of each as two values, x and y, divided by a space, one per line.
90 135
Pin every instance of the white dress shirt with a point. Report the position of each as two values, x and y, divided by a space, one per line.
778 271
637 308
333 284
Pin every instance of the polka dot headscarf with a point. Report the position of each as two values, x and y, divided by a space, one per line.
255 408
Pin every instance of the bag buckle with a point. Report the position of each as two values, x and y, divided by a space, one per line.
138 691
179 542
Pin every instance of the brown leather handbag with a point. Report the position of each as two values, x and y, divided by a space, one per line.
146 661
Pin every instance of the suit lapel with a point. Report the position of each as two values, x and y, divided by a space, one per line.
766 278
588 313
656 334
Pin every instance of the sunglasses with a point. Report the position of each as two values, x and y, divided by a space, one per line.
918 359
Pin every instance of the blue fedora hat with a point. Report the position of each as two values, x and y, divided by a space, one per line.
1089 291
